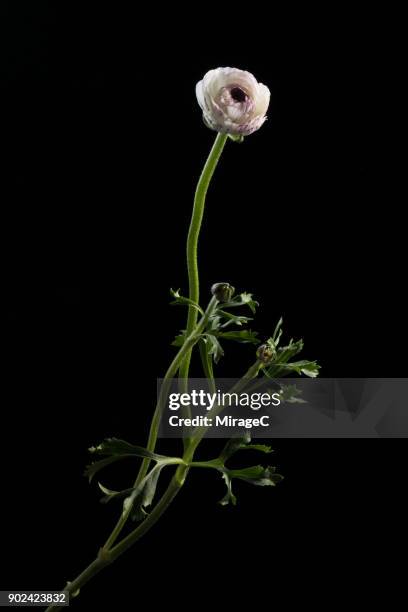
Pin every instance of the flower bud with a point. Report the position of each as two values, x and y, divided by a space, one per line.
265 353
222 291
232 101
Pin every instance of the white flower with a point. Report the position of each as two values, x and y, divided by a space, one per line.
232 101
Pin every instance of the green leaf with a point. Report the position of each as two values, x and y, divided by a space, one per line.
117 447
283 355
144 493
179 300
234 445
246 298
287 352
278 332
244 443
229 497
281 364
263 448
214 347
136 499
308 368
109 494
273 342
232 319
291 394
151 485
243 299
257 475
245 336
179 340
94 468
214 323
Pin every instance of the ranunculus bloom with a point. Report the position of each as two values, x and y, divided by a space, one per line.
232 100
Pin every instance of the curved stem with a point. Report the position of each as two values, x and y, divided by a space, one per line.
206 362
193 235
105 556
191 339
155 424
180 363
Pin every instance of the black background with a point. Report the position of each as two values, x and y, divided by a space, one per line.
103 143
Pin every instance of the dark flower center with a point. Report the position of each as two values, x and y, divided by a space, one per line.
238 94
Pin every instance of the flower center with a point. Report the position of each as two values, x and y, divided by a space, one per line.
238 94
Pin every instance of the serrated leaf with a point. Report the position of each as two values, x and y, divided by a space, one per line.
246 299
245 336
282 357
287 352
117 447
232 319
214 323
215 349
263 448
243 299
311 369
308 368
291 394
232 446
257 475
229 497
244 443
179 300
135 498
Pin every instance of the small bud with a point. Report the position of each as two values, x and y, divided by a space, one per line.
265 353
222 291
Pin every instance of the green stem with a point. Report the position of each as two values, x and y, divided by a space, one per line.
182 360
180 363
206 361
105 556
155 424
192 239
200 432
175 485
73 587
192 339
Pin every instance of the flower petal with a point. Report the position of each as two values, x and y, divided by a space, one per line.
224 110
